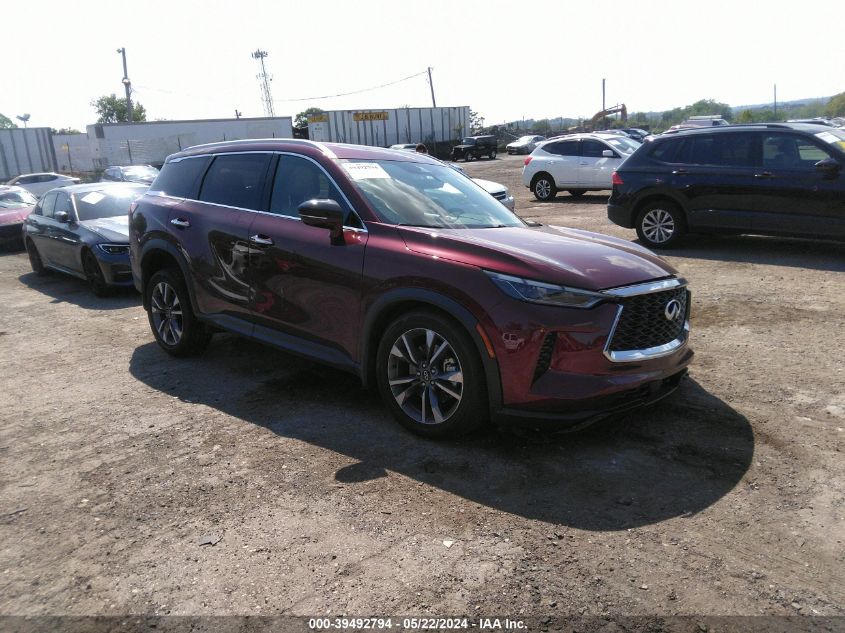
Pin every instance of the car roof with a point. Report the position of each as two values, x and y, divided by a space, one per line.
810 128
343 151
100 186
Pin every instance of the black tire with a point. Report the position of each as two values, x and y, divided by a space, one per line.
173 322
493 155
35 259
94 275
454 356
468 156
576 193
543 187
661 224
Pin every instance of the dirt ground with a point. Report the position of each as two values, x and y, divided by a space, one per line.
247 481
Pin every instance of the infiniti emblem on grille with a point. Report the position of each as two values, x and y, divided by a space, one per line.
673 310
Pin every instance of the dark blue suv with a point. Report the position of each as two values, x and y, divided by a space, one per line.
773 179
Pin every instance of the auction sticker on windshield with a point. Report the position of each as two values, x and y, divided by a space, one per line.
365 171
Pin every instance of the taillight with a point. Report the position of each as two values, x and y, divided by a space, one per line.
616 179
527 160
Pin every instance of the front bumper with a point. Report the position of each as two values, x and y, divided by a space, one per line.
592 410
11 233
116 269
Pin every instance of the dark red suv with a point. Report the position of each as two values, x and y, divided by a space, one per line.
401 270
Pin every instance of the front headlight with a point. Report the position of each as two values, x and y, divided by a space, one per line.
114 249
546 294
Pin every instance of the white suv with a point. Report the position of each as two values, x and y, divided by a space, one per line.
39 184
576 162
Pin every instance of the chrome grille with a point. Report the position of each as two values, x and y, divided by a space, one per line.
643 323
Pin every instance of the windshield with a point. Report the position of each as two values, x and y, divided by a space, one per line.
141 171
91 205
468 141
623 144
525 139
420 194
834 137
11 199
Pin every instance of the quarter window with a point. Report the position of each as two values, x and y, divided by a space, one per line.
180 178
236 180
297 180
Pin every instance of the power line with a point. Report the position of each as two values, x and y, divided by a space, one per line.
355 92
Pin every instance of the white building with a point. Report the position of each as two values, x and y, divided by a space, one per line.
152 142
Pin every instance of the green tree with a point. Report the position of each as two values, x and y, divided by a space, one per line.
834 107
476 122
541 127
64 130
112 109
301 119
6 122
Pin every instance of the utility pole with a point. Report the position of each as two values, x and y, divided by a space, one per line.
431 85
237 114
776 101
265 79
127 85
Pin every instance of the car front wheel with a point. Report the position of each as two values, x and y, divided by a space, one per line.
172 320
660 224
430 376
543 187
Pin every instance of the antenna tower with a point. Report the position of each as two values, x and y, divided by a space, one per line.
265 79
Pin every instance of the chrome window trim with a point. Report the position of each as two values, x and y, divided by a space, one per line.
646 288
275 215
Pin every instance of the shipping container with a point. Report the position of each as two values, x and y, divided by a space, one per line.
73 152
384 128
26 151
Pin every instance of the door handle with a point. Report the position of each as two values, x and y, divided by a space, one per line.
765 174
180 222
261 240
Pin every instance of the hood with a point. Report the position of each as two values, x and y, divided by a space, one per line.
15 215
518 143
489 186
143 180
114 229
553 254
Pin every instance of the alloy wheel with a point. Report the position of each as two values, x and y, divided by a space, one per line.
167 313
658 226
425 376
543 189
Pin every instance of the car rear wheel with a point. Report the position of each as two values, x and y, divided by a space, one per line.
543 187
493 155
172 320
35 259
577 193
94 274
660 224
430 376
468 156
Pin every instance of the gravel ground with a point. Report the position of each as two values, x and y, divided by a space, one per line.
247 481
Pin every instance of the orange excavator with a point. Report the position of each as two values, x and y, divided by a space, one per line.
590 125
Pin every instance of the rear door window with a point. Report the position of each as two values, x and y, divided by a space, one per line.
562 148
666 151
724 150
236 180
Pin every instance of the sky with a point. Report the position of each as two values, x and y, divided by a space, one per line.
505 59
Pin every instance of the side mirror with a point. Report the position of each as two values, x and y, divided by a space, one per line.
828 166
325 214
61 216
608 153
